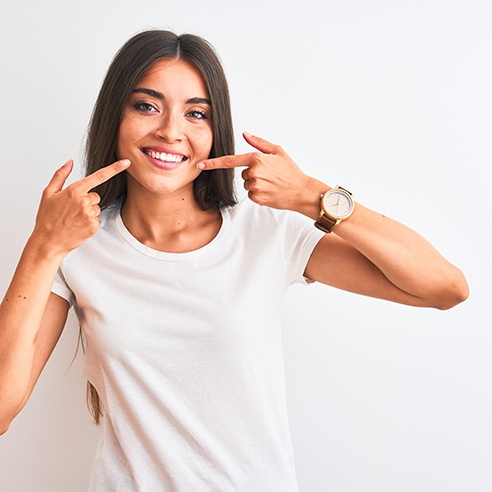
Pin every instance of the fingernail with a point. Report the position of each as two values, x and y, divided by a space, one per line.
201 165
246 134
126 162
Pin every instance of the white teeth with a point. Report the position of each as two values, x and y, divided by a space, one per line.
162 156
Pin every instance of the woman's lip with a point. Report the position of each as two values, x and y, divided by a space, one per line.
166 165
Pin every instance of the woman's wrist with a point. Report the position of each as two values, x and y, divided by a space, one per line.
308 202
43 248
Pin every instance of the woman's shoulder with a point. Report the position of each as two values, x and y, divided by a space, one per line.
247 210
248 214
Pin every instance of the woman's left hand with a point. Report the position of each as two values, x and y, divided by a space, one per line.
271 177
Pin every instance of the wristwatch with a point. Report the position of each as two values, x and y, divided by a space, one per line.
337 204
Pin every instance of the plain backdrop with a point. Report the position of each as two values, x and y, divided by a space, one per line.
391 100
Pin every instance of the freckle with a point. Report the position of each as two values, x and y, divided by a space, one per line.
25 297
182 199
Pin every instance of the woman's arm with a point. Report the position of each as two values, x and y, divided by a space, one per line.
31 317
367 253
373 255
31 322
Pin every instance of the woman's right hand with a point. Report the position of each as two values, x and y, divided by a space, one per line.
31 316
68 216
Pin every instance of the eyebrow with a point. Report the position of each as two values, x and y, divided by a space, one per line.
160 95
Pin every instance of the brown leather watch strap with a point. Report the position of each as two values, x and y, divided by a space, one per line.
325 223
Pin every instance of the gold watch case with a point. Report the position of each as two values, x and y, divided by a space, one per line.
336 205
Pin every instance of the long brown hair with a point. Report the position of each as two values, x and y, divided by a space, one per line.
212 189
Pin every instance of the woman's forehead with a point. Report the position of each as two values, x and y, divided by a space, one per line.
176 75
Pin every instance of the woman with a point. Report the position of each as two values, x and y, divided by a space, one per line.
178 290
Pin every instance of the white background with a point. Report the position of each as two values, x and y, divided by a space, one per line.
390 99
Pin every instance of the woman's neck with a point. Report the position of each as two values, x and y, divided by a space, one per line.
172 223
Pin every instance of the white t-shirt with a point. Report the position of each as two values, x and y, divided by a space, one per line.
185 352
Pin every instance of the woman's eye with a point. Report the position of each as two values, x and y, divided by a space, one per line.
145 107
199 115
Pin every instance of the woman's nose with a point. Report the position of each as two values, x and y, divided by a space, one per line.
170 128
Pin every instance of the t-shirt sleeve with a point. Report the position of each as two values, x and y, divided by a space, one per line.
299 238
61 288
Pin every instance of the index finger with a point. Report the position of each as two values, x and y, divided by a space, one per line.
225 162
104 174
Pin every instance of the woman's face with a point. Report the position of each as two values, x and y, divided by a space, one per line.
166 129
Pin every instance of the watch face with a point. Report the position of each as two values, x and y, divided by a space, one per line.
338 204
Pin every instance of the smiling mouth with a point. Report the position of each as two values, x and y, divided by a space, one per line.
163 157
